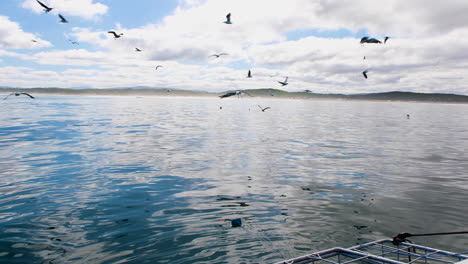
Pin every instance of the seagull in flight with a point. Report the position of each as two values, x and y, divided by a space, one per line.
33 40
115 34
228 19
46 8
228 94
369 40
18 94
365 73
263 109
62 19
285 82
137 50
385 39
238 93
218 55
73 42
249 74
158 67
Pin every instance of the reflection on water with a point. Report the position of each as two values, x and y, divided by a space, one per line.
150 180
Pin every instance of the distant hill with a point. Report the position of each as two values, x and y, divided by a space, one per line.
265 92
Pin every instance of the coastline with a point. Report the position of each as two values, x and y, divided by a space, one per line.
394 96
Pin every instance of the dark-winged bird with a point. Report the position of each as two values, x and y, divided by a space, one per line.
385 40
137 50
73 42
33 40
263 109
46 8
115 34
62 19
249 74
158 67
218 55
228 19
285 82
369 40
365 73
228 94
18 94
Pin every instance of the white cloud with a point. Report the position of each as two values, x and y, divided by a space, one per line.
13 37
86 9
426 51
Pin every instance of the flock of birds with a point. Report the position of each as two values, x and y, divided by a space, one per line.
228 21
371 41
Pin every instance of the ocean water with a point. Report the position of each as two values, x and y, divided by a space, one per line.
155 180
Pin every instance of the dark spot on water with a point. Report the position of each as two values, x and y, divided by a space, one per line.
356 212
359 227
51 227
227 198
305 188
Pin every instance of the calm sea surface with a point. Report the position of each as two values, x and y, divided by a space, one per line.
150 180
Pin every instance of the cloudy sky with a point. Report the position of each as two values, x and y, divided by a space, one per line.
313 42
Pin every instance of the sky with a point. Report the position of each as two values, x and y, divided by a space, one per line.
315 43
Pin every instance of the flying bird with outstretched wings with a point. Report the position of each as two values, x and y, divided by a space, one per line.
18 94
285 82
46 8
115 34
365 73
218 55
263 109
62 19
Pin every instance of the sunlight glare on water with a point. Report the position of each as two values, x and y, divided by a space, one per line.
150 180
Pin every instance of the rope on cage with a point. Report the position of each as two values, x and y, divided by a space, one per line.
402 237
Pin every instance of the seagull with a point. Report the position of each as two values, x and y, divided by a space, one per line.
73 42
229 94
249 74
158 67
33 40
46 8
62 19
115 34
385 40
365 73
369 40
285 82
18 94
137 50
218 55
238 93
308 91
228 19
263 109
